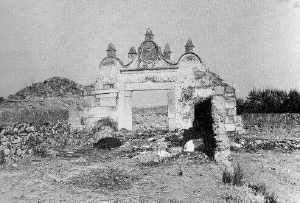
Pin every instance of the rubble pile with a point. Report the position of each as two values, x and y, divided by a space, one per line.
55 86
150 118
151 147
255 144
17 141
23 139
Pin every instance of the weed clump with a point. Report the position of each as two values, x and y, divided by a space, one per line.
261 188
105 122
2 157
270 198
236 178
258 188
226 177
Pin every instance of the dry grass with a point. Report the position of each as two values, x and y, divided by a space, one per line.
103 178
236 178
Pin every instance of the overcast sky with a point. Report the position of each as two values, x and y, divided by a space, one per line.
254 43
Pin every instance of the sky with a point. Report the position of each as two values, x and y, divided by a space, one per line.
249 43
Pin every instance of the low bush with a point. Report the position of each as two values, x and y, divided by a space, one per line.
226 177
236 178
270 198
105 122
261 188
258 188
2 157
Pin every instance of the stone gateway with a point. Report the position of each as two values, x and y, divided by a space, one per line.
196 96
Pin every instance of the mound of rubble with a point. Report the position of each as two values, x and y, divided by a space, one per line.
254 144
21 140
52 87
147 119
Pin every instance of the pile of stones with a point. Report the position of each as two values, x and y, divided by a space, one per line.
163 146
16 141
20 140
255 144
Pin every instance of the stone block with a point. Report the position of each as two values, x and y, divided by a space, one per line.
203 92
229 120
175 150
230 104
107 101
231 111
230 127
193 145
229 89
219 90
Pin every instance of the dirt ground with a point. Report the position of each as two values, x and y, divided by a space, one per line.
279 171
48 179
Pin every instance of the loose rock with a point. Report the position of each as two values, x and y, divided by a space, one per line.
194 145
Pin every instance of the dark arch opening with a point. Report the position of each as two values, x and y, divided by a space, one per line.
203 125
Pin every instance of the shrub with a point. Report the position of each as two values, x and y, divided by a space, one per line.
236 178
270 198
105 122
258 188
2 157
226 177
261 188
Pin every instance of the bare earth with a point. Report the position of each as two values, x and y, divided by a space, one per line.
46 180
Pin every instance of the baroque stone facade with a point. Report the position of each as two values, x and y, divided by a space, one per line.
186 79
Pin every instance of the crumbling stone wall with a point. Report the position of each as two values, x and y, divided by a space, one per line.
195 84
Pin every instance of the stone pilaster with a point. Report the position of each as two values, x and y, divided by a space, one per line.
171 110
222 152
125 110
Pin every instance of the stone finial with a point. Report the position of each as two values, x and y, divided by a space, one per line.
189 46
167 51
111 50
132 53
149 35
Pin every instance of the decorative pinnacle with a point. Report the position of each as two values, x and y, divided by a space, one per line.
189 46
111 47
167 51
132 53
149 35
111 50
